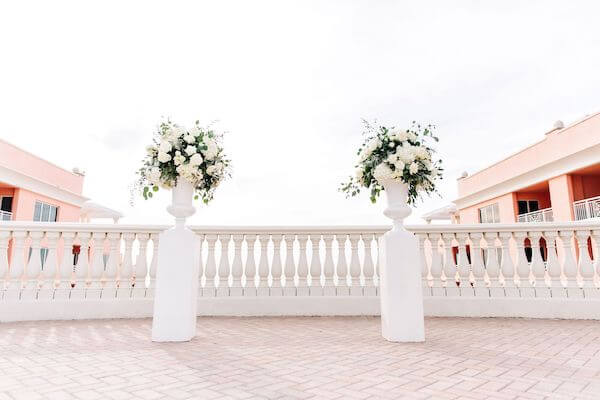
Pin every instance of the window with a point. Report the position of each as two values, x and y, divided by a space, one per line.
44 212
489 214
6 204
527 206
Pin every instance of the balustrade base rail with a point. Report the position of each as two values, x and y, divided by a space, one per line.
434 306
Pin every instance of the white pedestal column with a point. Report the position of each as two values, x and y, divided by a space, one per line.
401 295
176 292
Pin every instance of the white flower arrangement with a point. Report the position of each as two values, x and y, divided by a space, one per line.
195 155
396 155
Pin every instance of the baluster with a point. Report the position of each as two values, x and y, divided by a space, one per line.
585 267
596 250
463 267
316 289
109 277
141 266
523 267
210 272
342 267
153 265
82 267
201 266
263 266
368 267
377 269
436 265
16 270
34 267
125 275
250 271
355 287
477 269
276 267
66 268
424 267
538 268
508 267
553 265
302 267
289 272
328 268
492 268
4 278
569 265
49 268
236 266
449 266
97 268
224 266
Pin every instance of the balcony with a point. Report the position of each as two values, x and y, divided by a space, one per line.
5 216
544 215
587 208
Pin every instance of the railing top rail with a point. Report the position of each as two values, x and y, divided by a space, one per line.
516 227
376 229
583 201
77 227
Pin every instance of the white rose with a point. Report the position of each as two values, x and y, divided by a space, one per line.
191 150
411 136
163 157
196 159
179 159
413 168
421 153
165 146
212 150
399 135
189 138
405 154
359 173
151 150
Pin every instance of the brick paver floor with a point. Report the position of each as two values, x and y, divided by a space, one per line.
301 358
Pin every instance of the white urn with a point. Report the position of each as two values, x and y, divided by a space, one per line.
397 208
181 202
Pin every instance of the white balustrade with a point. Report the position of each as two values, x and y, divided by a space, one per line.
309 262
547 260
58 270
587 208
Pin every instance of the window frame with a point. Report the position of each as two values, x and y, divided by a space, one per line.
490 209
43 207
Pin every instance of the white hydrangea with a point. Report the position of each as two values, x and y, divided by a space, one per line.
421 152
196 159
405 154
189 172
212 149
411 136
215 170
413 168
153 175
164 157
399 135
165 146
383 172
195 131
399 165
190 150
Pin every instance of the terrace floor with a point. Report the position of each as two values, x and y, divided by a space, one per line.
301 358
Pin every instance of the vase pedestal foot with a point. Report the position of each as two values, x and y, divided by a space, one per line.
176 294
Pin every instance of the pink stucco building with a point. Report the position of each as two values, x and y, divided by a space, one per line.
555 179
33 189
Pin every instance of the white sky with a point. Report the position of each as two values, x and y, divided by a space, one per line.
84 85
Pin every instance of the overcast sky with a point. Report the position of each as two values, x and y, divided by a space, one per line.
83 85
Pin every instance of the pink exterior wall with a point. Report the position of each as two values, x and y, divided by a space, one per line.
556 145
28 164
561 195
31 166
506 204
543 198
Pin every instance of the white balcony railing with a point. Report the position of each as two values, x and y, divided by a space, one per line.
587 208
544 215
5 215
300 270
